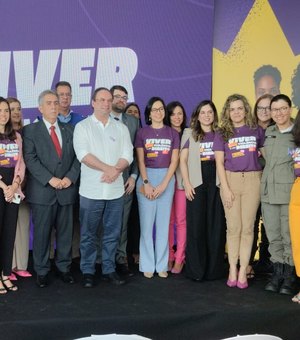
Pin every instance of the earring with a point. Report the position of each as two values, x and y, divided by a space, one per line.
150 119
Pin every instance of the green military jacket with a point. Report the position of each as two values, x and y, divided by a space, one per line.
278 174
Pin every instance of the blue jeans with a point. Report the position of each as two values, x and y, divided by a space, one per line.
91 213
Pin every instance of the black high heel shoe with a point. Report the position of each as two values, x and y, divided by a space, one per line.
8 287
3 290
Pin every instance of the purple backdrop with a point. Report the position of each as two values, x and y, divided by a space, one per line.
152 47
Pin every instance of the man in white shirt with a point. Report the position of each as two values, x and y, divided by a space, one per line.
103 147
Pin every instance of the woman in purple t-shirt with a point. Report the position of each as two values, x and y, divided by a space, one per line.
157 147
176 118
236 148
12 170
205 214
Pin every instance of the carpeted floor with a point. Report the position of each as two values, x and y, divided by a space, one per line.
173 308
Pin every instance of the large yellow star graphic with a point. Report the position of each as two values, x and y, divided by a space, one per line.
260 41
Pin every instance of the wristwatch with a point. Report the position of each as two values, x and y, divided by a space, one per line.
145 181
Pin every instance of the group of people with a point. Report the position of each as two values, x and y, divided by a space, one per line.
195 190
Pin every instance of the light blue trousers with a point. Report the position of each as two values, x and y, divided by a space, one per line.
154 250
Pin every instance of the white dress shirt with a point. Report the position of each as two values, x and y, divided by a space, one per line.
108 143
57 130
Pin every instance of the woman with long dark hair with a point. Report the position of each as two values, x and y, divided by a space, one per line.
12 170
205 214
21 248
176 118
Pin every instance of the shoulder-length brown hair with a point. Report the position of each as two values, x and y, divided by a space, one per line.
197 131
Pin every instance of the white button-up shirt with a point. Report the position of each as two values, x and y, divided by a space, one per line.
57 130
108 143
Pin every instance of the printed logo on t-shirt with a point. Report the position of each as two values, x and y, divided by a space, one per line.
156 146
238 145
9 154
206 151
295 153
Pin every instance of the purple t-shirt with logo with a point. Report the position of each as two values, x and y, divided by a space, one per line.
9 153
158 145
241 152
296 159
206 147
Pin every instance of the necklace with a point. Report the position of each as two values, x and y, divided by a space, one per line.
157 131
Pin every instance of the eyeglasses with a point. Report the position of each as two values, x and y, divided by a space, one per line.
262 109
117 96
282 109
161 109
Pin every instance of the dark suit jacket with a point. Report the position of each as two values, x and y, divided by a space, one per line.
132 124
43 163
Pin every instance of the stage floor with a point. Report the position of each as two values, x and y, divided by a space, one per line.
173 308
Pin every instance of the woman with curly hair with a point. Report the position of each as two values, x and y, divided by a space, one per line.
205 214
236 147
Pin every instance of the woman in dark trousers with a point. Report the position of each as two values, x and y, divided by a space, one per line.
204 210
12 170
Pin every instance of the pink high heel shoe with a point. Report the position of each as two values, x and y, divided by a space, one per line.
170 265
12 277
22 273
242 285
177 268
231 284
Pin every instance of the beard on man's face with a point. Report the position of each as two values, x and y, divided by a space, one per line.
119 108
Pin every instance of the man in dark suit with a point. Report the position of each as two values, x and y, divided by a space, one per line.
53 170
120 97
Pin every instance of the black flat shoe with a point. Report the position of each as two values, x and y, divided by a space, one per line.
88 281
42 281
122 269
66 277
113 278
